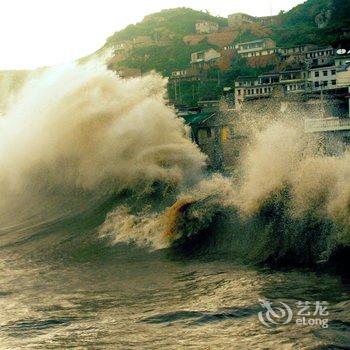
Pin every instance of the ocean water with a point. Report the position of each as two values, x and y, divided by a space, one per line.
62 287
113 235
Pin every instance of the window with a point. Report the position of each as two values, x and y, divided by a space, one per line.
317 84
317 74
325 73
325 83
203 134
225 133
239 92
333 71
334 82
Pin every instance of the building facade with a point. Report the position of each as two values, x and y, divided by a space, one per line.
259 47
320 56
323 78
237 19
206 27
203 59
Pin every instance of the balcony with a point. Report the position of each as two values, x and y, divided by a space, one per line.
327 124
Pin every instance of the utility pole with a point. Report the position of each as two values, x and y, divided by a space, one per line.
175 90
322 104
180 91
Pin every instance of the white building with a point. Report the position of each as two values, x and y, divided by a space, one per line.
343 80
206 27
323 78
259 47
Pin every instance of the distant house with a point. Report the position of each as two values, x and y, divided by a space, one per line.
342 60
185 74
122 47
203 59
214 134
128 72
206 27
320 56
140 41
237 19
343 80
267 20
260 47
295 50
323 78
251 88
270 84
294 80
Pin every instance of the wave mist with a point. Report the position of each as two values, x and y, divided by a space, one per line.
76 133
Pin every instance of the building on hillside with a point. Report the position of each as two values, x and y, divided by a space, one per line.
122 47
205 59
258 47
298 52
190 74
321 56
214 134
219 39
323 78
295 81
343 81
140 41
209 106
251 88
237 19
125 72
342 60
267 20
270 85
206 27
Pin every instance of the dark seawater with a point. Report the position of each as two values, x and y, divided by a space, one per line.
64 287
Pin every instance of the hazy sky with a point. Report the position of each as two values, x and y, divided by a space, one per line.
45 32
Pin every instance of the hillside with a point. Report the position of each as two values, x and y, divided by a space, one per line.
165 40
315 21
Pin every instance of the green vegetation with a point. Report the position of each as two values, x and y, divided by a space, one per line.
163 59
298 26
166 50
166 24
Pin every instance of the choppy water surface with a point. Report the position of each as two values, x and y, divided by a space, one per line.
62 296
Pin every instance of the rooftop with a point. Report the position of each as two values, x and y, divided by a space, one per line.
247 78
197 118
253 41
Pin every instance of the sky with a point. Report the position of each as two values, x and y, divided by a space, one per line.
35 33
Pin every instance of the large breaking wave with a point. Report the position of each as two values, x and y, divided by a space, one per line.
78 135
